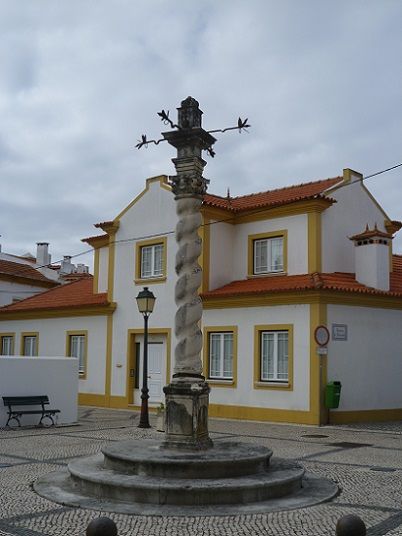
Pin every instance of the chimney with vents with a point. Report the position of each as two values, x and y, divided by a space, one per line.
67 267
372 258
42 253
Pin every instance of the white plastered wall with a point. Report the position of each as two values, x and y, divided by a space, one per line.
10 291
297 232
349 216
221 254
245 319
153 214
369 363
52 341
56 377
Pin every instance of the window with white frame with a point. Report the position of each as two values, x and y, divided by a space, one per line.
151 261
221 355
274 356
7 345
268 255
30 345
77 348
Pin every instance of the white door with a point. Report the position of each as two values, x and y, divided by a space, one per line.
156 354
156 369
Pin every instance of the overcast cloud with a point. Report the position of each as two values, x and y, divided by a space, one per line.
80 81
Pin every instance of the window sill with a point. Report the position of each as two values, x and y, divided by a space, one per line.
285 386
267 274
221 383
150 280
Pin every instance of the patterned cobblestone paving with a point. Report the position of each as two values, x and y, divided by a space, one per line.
365 461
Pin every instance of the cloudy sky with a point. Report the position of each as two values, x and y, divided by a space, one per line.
81 80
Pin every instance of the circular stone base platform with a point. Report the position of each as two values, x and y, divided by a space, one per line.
143 478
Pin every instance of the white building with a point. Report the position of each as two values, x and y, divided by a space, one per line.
275 266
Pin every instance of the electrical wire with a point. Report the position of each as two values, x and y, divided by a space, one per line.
224 220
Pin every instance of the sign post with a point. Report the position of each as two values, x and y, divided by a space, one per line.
321 337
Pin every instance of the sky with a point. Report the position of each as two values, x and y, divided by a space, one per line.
81 80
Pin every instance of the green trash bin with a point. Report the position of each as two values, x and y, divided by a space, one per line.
332 394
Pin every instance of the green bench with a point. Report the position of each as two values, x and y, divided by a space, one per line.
15 403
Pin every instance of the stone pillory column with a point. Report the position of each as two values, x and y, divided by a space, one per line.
187 395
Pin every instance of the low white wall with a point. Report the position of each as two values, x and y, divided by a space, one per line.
368 363
56 377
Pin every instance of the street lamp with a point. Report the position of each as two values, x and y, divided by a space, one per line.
145 303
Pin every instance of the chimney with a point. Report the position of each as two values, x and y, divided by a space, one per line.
66 265
42 253
372 258
81 269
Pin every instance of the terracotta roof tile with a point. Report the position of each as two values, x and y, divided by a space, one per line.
343 282
280 196
25 271
76 294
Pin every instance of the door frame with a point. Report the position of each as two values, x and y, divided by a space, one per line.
131 340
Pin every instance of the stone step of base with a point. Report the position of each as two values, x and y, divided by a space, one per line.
92 478
223 460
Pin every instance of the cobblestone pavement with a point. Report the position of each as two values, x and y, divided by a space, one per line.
365 461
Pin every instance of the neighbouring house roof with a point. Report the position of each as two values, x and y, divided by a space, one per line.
270 198
71 295
24 273
343 282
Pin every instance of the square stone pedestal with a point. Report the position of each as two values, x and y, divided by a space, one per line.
187 414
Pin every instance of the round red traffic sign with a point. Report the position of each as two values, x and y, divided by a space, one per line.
321 335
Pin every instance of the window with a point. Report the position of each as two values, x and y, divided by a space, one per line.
267 253
220 355
77 347
151 260
29 344
7 344
273 356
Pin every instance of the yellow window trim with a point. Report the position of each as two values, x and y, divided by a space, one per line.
144 243
258 383
262 236
29 334
83 332
8 334
220 329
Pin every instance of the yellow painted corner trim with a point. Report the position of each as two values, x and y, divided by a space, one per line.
138 247
230 382
375 415
282 233
163 181
95 282
108 359
111 265
29 334
258 383
314 242
84 332
8 334
318 366
260 414
204 260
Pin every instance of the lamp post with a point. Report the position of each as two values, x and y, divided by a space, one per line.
145 303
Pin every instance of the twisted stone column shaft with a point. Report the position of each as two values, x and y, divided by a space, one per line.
189 306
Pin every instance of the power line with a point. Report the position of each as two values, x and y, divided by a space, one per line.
224 220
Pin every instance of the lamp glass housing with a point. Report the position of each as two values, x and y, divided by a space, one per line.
145 301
